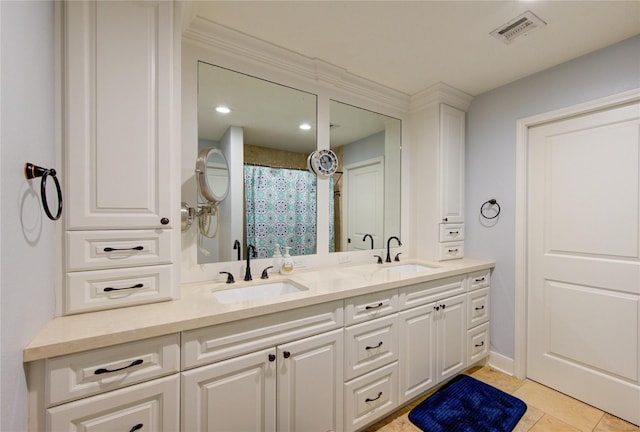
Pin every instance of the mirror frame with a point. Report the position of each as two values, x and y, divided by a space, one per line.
205 188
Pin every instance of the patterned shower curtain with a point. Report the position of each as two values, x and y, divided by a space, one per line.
280 207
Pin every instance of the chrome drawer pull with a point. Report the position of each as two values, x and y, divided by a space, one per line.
136 427
110 249
379 305
103 370
107 289
375 398
480 308
373 347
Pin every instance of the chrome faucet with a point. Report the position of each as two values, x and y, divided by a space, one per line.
389 248
247 273
370 236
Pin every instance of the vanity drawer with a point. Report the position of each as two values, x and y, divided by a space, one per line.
452 250
370 345
153 406
87 373
477 307
369 306
223 341
88 250
478 343
479 279
107 289
370 397
451 232
427 292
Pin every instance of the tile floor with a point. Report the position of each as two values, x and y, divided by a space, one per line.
547 409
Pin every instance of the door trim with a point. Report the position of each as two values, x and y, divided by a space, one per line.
521 208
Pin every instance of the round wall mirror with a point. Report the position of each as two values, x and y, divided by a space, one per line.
212 172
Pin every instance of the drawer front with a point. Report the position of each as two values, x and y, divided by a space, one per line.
220 342
370 397
477 307
479 279
428 292
87 373
451 250
451 232
153 405
370 345
369 306
478 343
107 289
90 250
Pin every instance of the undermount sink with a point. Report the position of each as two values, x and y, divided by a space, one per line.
410 268
256 292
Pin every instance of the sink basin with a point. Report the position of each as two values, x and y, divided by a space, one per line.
256 292
410 268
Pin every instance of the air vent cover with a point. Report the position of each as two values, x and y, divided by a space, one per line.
522 25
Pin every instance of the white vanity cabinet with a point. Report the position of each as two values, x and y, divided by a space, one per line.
478 313
294 384
433 341
439 134
118 129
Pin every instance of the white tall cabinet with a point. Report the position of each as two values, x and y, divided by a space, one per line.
437 135
118 127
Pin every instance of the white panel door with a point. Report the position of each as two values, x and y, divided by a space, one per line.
451 336
310 384
583 259
118 118
235 395
451 164
364 204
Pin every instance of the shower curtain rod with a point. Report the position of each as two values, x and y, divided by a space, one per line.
282 167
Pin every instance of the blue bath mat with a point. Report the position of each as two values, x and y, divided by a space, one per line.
465 404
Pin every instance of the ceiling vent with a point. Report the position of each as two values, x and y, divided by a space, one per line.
523 25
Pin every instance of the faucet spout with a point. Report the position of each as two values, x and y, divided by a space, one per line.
370 237
389 247
247 274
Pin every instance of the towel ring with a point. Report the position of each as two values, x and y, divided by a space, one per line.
32 171
491 202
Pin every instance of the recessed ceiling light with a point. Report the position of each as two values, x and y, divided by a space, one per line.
223 109
305 126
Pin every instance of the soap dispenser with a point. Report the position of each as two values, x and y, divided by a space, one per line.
287 262
277 257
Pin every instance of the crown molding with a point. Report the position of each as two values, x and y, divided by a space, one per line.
440 93
227 42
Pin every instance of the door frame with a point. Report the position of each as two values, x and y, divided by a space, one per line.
522 209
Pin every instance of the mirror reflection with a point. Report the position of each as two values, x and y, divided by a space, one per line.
366 188
265 132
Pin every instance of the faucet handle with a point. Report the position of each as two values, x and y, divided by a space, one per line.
265 275
230 278
397 258
379 258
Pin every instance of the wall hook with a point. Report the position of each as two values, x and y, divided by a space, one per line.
32 171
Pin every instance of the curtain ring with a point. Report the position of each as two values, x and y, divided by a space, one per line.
491 202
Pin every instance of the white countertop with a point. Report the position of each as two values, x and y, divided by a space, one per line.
197 307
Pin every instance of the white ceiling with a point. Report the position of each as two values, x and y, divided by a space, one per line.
411 45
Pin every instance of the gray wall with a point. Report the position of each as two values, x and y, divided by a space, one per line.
28 246
490 157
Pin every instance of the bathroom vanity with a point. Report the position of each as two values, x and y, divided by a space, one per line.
352 345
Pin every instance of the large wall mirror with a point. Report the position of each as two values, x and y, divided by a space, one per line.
265 131
365 192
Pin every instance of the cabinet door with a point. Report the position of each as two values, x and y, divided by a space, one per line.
118 124
417 351
235 395
310 384
451 336
451 169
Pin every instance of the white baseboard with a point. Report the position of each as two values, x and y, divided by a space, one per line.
501 363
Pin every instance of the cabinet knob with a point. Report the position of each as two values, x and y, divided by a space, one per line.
164 221
286 354
445 219
272 357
